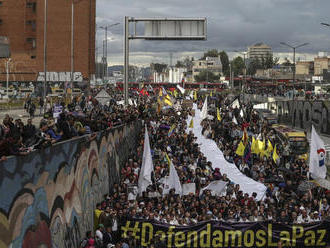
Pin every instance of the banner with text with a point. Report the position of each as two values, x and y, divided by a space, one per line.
222 234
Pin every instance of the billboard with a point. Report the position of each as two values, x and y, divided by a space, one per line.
175 29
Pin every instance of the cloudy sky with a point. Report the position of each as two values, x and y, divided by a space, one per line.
232 25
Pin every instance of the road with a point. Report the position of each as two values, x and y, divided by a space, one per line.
22 114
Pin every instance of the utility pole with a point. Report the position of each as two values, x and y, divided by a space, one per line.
72 46
294 70
105 50
126 60
294 63
45 56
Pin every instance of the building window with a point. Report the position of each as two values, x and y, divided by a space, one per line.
32 5
0 3
32 23
33 57
32 41
0 21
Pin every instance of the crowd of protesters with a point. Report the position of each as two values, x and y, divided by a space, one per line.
282 203
60 122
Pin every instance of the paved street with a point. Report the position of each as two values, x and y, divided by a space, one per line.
22 114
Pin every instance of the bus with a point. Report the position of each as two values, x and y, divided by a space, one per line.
296 139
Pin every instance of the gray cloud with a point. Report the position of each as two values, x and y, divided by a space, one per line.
232 25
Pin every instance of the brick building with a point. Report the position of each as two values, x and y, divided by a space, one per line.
22 21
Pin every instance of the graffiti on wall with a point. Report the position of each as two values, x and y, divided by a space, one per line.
304 113
47 197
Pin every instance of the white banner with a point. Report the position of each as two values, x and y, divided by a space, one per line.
211 151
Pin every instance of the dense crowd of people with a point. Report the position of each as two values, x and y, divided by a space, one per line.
60 122
173 142
284 202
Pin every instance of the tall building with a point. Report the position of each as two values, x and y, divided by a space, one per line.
22 22
259 50
321 63
211 64
305 68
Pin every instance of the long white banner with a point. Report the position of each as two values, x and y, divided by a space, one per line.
211 151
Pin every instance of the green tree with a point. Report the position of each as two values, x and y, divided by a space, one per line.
158 67
179 64
206 76
225 63
238 65
253 65
211 53
269 62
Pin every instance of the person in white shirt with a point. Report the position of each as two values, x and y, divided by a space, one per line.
99 233
303 218
244 218
315 217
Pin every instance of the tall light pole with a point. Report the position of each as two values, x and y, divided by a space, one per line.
105 49
72 44
294 63
294 70
45 56
7 72
126 59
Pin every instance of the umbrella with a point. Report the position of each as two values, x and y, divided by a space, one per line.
306 185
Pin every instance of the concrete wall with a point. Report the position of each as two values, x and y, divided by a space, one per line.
304 113
47 198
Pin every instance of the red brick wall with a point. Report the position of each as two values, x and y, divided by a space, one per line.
14 15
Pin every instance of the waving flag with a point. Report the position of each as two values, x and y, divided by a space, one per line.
191 125
182 90
172 181
147 166
317 165
204 110
254 146
247 153
234 120
168 100
170 132
240 149
218 114
275 155
216 187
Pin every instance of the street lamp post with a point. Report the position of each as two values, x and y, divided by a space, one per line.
294 63
294 70
45 56
72 44
105 49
